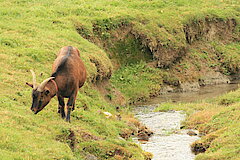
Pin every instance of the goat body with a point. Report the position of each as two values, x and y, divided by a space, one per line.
68 75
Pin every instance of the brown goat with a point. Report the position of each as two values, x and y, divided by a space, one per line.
68 75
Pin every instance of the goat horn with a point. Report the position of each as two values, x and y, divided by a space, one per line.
43 84
34 79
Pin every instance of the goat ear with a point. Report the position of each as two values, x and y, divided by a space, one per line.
30 85
46 92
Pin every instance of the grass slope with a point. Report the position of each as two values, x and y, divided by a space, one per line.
32 32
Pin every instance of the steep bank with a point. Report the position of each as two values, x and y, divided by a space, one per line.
205 51
199 48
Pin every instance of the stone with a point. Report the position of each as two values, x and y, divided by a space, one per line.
214 78
192 133
187 87
107 114
90 157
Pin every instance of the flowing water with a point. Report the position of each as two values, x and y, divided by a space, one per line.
205 92
169 142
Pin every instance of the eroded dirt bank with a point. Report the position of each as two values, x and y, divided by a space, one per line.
190 56
164 51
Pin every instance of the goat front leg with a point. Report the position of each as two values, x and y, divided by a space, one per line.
70 105
61 106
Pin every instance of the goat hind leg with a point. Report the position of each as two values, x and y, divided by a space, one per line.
70 105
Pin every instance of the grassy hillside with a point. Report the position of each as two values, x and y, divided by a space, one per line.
32 32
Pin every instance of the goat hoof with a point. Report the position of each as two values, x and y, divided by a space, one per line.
63 116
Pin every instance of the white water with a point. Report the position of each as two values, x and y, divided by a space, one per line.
168 141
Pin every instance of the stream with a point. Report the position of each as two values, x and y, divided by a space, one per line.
169 142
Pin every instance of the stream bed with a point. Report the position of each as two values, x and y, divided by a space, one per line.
169 142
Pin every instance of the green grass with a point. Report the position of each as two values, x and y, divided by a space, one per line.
230 55
129 51
32 32
137 82
45 136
